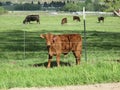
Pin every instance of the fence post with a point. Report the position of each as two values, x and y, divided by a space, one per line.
85 33
24 44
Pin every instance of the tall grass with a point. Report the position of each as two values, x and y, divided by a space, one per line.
28 69
86 73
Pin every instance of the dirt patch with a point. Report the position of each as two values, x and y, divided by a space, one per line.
108 86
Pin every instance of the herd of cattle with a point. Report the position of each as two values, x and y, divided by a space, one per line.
36 18
61 44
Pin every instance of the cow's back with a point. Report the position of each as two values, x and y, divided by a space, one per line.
70 42
75 41
100 19
65 45
76 18
34 17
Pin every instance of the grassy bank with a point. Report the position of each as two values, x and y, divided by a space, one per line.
13 75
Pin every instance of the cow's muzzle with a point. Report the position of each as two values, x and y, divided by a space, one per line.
48 46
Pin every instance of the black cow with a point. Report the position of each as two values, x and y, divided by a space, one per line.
100 19
76 18
30 18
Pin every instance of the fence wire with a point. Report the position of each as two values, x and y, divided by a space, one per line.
27 45
23 44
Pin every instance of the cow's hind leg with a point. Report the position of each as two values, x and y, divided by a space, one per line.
58 60
77 55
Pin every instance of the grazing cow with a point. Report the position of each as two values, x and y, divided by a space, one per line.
76 18
62 44
30 18
63 21
100 19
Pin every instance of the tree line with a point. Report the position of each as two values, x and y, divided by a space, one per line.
34 6
71 6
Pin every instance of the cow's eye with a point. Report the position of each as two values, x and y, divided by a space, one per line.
53 41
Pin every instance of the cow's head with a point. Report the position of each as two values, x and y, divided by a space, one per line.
50 38
24 21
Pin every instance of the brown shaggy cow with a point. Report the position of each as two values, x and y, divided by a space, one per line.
76 18
100 19
30 18
63 21
62 44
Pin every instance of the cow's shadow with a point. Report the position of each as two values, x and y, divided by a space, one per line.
53 64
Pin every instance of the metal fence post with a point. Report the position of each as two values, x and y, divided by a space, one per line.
24 45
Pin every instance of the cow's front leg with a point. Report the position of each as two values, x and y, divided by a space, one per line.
49 61
58 59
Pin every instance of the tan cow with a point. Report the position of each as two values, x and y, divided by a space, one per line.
62 44
63 21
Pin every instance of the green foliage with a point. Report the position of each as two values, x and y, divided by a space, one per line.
102 5
72 7
88 1
2 10
28 76
112 5
91 5
27 6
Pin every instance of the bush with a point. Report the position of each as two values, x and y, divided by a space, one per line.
2 10
71 7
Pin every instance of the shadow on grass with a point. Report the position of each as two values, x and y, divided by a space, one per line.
53 64
18 40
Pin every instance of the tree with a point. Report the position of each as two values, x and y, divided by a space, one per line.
27 6
38 2
45 4
0 3
88 1
2 10
96 5
70 7
112 5
8 2
32 2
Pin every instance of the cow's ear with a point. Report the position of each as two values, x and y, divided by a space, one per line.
42 35
54 38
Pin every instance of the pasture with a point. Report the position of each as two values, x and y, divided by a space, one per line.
23 54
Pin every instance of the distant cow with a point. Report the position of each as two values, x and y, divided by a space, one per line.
100 19
30 18
76 18
63 21
62 44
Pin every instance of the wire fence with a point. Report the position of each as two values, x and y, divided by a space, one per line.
25 45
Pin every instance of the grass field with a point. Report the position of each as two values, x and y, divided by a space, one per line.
23 55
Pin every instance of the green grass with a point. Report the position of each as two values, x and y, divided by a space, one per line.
91 73
27 69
